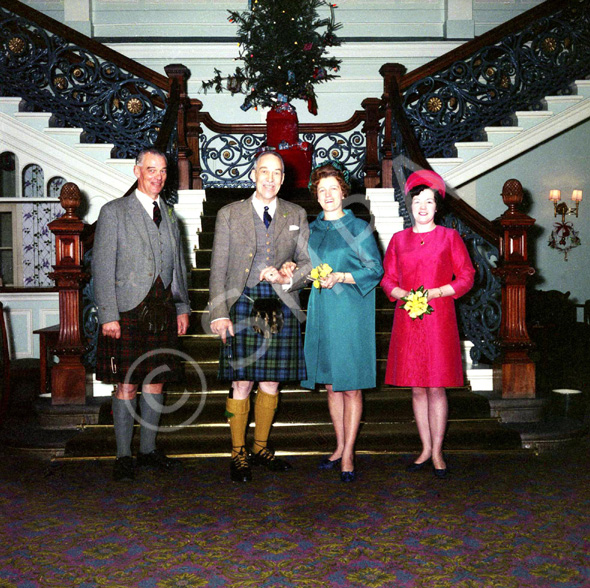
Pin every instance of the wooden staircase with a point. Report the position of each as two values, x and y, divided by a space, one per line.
194 423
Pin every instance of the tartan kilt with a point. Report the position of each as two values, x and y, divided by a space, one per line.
249 356
135 342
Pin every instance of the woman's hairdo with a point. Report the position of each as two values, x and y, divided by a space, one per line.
329 169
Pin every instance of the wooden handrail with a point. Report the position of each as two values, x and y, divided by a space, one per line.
489 38
207 120
85 42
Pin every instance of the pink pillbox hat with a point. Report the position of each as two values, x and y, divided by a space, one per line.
428 178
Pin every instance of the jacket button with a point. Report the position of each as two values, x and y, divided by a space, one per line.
247 270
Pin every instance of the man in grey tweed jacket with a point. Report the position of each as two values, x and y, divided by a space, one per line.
137 257
253 238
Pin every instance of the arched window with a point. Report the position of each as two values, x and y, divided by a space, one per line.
33 182
54 186
7 175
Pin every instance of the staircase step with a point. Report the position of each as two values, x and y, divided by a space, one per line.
527 119
583 88
497 135
66 135
9 105
467 150
214 440
393 405
444 165
36 120
98 151
125 166
558 104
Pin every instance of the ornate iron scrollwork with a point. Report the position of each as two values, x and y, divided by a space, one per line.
456 103
90 324
479 311
81 90
227 159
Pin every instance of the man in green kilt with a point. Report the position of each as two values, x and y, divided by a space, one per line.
141 292
255 309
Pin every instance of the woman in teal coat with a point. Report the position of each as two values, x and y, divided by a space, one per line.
340 327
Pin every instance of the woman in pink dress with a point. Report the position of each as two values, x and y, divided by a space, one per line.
425 352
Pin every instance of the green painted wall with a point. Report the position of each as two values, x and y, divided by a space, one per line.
561 163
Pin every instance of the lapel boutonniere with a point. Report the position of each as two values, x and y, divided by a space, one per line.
171 214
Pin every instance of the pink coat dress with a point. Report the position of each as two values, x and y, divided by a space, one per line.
426 353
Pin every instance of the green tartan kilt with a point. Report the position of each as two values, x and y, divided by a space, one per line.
249 356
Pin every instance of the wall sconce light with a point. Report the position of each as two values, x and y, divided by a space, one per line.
561 207
564 237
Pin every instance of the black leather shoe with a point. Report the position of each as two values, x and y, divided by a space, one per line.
156 460
441 473
416 467
329 464
348 476
265 457
123 469
239 469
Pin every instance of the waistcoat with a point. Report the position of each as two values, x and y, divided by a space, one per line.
161 244
265 252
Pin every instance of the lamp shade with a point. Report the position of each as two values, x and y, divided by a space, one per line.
554 195
577 195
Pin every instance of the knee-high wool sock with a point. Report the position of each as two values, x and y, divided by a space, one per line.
150 407
264 413
237 411
123 419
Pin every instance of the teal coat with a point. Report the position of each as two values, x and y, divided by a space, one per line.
340 328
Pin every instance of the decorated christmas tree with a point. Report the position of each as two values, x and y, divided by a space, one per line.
283 44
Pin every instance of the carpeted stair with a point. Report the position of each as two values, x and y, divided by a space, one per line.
194 422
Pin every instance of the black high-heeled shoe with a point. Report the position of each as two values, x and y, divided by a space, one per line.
441 474
329 464
416 467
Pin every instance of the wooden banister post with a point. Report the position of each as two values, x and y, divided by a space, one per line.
371 130
193 138
392 75
181 74
514 372
68 377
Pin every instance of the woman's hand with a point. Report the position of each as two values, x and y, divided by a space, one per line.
398 293
331 280
288 269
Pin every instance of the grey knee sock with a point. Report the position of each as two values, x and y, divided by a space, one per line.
123 418
150 406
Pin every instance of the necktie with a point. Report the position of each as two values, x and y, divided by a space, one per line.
157 214
266 217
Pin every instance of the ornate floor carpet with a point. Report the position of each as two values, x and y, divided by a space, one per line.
501 521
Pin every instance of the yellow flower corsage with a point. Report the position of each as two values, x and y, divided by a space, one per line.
321 271
416 303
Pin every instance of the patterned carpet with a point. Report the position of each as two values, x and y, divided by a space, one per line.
502 521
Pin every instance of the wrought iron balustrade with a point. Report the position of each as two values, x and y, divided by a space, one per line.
55 74
513 73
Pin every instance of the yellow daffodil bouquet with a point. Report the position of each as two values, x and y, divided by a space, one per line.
416 303
321 271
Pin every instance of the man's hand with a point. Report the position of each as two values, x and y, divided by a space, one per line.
221 327
112 329
288 269
182 321
271 274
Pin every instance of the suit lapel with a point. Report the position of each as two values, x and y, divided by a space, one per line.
281 218
137 213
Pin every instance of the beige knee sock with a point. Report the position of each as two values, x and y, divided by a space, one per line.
264 413
237 412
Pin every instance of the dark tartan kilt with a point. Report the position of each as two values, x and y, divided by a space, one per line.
136 342
249 356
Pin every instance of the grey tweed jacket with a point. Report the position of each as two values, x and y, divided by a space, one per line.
234 248
123 261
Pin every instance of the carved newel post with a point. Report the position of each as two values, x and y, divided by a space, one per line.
514 372
68 377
